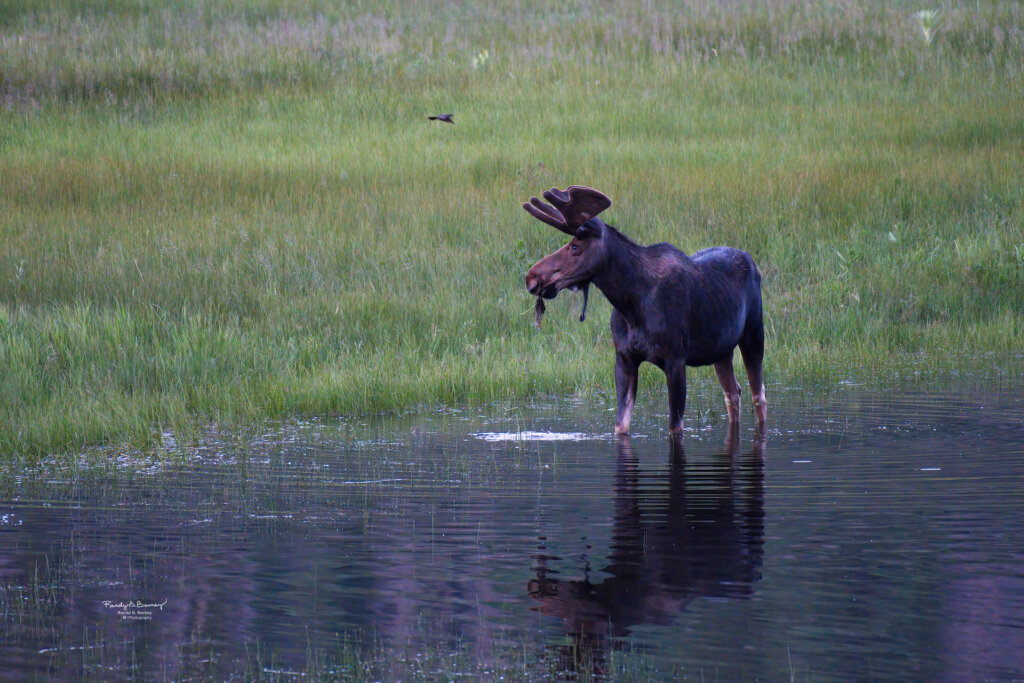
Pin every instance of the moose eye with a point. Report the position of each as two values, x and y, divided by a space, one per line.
574 249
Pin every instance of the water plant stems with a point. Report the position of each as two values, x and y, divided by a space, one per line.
226 211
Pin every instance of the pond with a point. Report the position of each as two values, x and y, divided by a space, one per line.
870 535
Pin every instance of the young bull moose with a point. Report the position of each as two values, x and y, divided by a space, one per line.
671 309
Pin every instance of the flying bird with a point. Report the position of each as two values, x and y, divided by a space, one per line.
447 118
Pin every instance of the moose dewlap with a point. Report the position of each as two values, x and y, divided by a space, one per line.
670 309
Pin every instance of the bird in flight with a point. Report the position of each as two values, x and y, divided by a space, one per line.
447 118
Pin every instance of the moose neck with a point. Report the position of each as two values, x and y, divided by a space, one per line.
625 279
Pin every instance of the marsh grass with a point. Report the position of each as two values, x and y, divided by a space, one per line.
348 657
226 211
353 661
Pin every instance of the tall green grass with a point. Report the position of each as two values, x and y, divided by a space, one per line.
223 211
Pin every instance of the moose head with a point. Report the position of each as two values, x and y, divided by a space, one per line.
574 212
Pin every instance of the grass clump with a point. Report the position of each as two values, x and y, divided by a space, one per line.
223 211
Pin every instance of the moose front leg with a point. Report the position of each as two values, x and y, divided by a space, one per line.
626 373
730 387
675 375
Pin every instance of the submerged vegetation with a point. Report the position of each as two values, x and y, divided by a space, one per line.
223 211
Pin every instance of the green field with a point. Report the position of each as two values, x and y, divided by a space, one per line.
222 212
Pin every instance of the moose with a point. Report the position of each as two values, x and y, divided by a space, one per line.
670 309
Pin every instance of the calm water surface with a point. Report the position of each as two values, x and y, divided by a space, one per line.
869 536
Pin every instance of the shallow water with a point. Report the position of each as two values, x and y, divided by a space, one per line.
869 536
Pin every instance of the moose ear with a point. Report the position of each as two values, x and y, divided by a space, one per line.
589 229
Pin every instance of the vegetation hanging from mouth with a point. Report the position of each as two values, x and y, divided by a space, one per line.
539 308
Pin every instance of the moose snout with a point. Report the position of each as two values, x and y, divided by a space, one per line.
532 283
536 285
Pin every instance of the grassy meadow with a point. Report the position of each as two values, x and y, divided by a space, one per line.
224 211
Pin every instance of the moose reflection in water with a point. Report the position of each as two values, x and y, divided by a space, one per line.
695 529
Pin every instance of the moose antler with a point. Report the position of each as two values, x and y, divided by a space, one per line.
571 207
546 213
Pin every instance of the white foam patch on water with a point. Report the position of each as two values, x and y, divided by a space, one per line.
536 436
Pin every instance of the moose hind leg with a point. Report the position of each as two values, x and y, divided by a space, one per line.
752 348
730 387
675 375
760 401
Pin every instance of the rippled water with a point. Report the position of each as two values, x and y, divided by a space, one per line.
870 536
